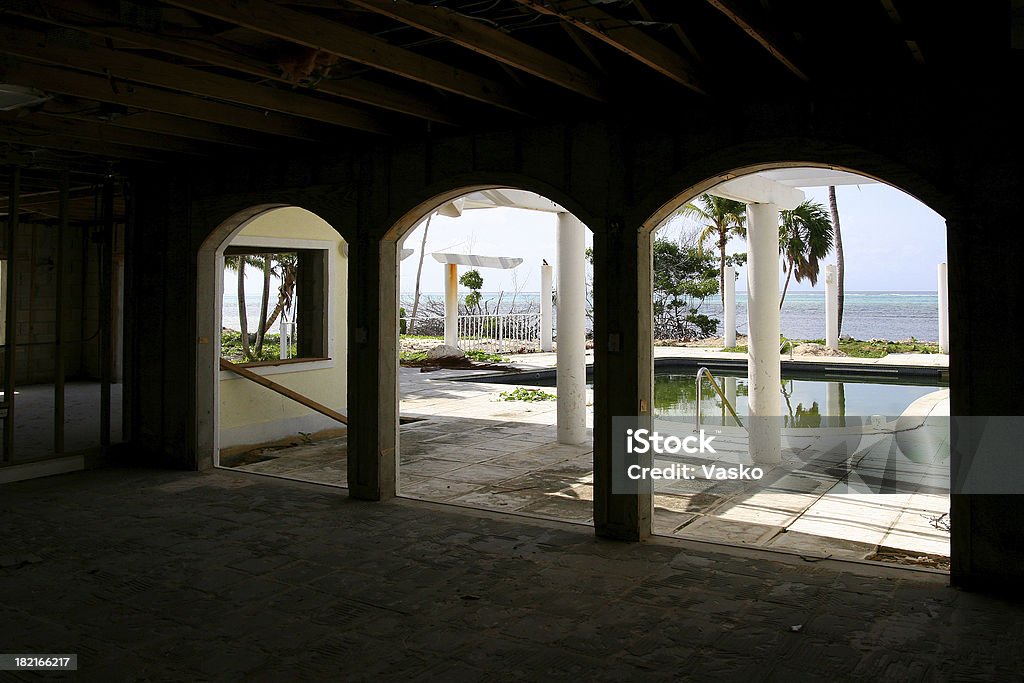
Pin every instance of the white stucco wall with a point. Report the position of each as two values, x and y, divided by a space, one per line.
250 414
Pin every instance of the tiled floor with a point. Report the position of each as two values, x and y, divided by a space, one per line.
473 449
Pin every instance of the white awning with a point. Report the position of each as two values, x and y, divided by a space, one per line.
501 262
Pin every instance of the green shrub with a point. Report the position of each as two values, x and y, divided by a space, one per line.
526 394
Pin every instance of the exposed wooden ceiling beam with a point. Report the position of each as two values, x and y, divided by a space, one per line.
101 132
622 36
897 20
729 9
676 29
337 39
105 22
577 40
34 45
32 139
490 42
163 124
111 90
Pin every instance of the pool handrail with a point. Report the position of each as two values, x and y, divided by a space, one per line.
704 371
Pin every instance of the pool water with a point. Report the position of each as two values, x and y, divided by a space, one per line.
675 393
804 398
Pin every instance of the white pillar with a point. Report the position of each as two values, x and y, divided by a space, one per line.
943 310
764 364
833 409
730 306
545 307
451 305
831 308
572 362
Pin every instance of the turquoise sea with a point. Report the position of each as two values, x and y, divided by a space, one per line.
867 315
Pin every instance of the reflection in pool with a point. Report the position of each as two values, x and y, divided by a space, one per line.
804 401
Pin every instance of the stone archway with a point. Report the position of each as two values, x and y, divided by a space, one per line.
763 202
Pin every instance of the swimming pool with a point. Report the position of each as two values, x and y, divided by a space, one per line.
675 393
807 393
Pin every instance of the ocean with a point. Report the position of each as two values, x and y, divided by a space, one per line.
867 315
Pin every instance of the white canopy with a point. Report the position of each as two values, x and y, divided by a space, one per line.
501 262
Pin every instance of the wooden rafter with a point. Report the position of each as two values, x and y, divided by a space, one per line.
346 42
105 22
760 35
33 138
620 35
105 133
111 90
35 46
490 42
897 20
165 124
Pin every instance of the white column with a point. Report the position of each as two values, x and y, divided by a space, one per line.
572 362
943 310
833 409
730 306
545 307
451 305
764 364
831 308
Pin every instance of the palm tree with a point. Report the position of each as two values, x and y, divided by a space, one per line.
238 264
721 219
805 237
840 260
419 271
261 329
270 265
286 267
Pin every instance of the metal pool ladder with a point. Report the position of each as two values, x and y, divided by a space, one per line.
711 378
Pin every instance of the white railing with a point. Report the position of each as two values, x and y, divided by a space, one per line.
506 333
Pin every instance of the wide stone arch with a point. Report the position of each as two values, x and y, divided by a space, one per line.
207 341
413 206
924 185
703 172
373 288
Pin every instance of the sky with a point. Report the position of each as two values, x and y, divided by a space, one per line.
891 241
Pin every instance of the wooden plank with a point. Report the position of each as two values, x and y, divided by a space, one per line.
676 28
66 143
57 80
179 126
105 22
11 305
623 37
105 297
283 390
101 132
490 42
729 9
59 345
346 42
35 46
